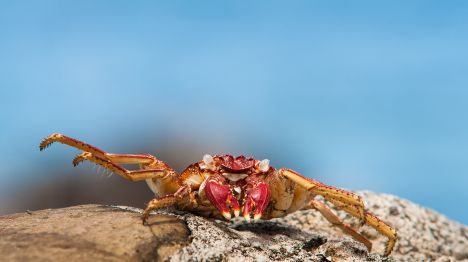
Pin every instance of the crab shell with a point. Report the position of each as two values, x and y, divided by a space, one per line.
224 185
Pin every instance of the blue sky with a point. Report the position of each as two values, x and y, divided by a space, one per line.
361 95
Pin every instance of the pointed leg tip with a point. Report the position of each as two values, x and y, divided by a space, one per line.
43 145
387 251
46 142
247 218
80 158
257 217
236 213
77 160
144 218
226 215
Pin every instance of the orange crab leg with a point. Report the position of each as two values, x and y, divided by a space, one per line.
134 175
71 142
143 159
151 168
326 191
347 201
335 220
165 201
154 166
372 221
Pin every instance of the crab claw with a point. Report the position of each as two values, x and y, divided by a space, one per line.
220 196
256 200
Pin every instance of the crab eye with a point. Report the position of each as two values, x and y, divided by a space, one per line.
208 159
208 162
264 165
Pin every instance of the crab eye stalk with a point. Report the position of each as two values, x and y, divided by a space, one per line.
208 159
264 165
208 162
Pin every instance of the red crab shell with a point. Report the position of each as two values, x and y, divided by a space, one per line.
235 165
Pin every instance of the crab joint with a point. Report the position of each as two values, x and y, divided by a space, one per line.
256 201
221 197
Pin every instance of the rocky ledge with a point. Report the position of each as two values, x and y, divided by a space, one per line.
115 233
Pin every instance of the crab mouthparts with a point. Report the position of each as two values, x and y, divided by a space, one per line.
234 177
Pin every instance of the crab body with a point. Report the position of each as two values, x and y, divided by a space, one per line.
224 186
220 186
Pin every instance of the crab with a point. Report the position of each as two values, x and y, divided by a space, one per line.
224 186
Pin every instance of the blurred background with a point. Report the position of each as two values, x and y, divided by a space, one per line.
358 95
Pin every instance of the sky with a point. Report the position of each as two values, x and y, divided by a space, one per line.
360 95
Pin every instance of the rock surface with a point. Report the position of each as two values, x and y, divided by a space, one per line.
112 233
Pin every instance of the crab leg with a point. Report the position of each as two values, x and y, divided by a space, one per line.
326 191
143 159
71 142
134 175
372 221
335 220
155 167
165 201
347 201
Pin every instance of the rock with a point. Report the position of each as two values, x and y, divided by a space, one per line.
88 233
113 233
423 234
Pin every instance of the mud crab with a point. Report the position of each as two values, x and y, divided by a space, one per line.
221 186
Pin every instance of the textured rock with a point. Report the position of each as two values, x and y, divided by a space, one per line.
109 233
423 234
88 233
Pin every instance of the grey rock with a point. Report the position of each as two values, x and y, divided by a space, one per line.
115 233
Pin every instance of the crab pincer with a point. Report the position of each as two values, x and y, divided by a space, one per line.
220 195
256 200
